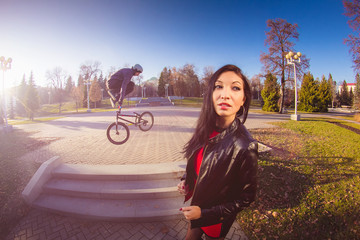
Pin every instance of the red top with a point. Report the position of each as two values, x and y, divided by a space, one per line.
213 230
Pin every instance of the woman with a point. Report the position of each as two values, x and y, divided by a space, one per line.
221 173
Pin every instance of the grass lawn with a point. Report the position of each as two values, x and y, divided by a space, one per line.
309 185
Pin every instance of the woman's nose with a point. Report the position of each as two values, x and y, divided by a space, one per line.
224 94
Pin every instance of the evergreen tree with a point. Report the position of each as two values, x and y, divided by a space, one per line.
357 93
161 85
102 81
332 85
20 98
32 98
68 86
351 97
309 94
270 93
344 95
95 91
324 95
164 79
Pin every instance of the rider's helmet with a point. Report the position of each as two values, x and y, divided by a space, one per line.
137 68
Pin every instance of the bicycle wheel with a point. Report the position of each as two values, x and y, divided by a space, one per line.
146 121
118 135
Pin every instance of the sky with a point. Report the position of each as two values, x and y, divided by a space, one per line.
42 35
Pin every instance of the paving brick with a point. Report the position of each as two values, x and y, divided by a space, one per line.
173 127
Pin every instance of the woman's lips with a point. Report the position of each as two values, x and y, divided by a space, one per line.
224 106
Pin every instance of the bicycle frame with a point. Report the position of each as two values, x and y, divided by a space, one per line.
120 116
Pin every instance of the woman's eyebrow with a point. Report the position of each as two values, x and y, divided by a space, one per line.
239 82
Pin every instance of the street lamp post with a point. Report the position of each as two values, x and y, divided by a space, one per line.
5 65
293 58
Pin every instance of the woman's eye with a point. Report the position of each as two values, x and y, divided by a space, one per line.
236 88
218 86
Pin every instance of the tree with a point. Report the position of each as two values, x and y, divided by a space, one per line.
332 85
77 93
309 94
95 91
270 93
32 99
178 83
20 99
324 95
69 85
191 80
344 95
163 80
208 71
357 93
255 85
88 70
57 79
351 97
280 41
352 10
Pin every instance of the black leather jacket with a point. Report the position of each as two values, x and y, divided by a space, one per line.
227 180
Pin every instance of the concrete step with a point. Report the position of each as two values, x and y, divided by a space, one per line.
112 192
108 209
154 99
140 172
154 189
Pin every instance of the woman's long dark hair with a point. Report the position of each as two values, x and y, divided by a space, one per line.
207 119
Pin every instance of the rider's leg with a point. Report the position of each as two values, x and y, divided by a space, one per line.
113 93
130 87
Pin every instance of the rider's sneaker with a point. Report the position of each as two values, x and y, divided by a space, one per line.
112 102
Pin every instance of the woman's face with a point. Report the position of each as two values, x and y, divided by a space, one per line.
228 96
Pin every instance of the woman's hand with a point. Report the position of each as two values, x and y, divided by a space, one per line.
192 212
182 188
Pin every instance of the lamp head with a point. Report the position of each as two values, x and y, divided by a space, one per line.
299 54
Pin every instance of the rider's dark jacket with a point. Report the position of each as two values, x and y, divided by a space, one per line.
227 180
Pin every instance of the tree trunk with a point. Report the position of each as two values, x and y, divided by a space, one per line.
282 95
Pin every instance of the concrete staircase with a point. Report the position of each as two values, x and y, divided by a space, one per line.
154 101
131 193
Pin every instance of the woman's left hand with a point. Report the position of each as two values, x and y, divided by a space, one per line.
192 212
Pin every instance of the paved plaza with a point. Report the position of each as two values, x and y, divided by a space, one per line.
81 139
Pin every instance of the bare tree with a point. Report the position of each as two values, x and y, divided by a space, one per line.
208 71
255 84
280 41
88 70
352 10
77 94
95 91
57 79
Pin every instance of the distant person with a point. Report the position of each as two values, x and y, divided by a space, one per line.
119 85
221 171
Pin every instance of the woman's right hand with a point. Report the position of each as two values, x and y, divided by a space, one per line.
182 188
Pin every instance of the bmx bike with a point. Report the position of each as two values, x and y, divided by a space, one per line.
118 132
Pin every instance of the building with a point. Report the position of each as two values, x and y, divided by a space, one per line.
350 86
